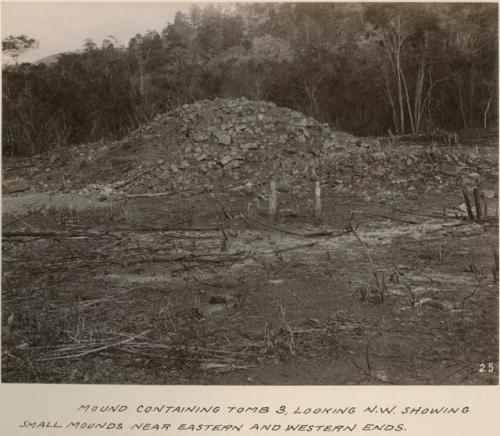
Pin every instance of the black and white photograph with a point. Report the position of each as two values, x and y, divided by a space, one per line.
250 194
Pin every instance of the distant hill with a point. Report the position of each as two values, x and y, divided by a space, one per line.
47 60
52 59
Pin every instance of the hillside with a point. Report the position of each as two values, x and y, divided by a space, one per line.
48 60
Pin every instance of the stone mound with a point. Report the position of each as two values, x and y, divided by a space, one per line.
226 144
216 144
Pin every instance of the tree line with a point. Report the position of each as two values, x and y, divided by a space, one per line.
370 69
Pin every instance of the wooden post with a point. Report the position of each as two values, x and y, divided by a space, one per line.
467 203
485 205
317 199
478 201
273 201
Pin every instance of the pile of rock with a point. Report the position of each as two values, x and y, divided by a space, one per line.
220 143
224 144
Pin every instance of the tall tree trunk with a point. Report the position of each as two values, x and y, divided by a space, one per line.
488 105
391 101
472 92
460 100
419 88
408 103
400 92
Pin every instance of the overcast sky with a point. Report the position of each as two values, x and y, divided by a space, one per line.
63 27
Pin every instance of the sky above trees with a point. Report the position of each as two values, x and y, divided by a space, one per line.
61 27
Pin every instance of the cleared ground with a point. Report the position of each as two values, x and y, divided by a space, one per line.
205 289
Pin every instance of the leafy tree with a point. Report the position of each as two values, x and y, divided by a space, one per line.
89 45
15 46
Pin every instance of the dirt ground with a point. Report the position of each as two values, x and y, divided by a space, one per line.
206 289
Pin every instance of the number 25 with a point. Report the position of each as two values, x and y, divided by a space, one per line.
489 367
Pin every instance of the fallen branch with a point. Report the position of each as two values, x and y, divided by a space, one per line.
148 195
95 350
412 212
297 247
304 235
277 229
17 190
165 194
22 218
127 182
364 249
113 297
389 218
381 285
324 234
110 233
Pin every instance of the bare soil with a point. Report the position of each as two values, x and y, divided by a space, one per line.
205 289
